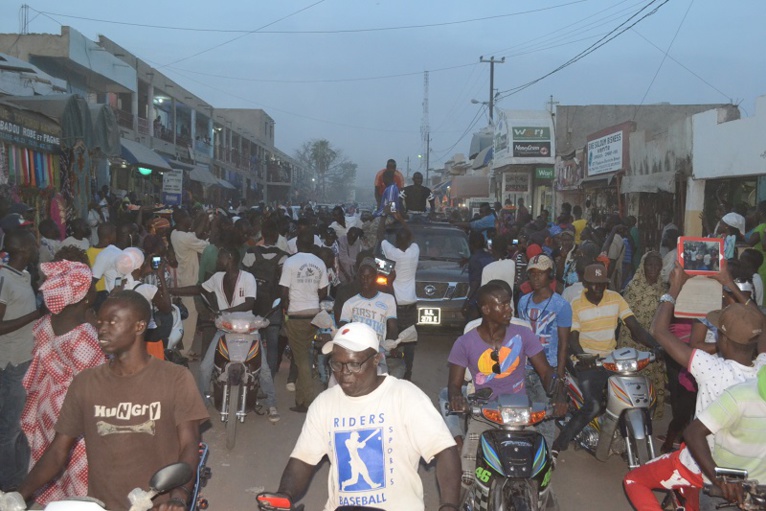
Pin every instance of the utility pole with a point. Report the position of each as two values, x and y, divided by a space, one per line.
425 126
491 63
24 19
408 167
428 158
551 104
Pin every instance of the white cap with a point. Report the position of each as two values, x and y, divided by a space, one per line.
355 337
735 220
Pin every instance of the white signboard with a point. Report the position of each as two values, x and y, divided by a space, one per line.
605 154
172 187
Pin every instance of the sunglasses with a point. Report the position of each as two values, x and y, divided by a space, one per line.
495 356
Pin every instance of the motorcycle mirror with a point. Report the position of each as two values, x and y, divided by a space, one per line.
276 303
170 477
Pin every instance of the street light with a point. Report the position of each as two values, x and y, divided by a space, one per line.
477 102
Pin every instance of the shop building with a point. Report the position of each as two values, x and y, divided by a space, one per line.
224 154
728 163
523 158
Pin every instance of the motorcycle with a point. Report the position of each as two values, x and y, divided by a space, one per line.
162 481
278 502
629 401
513 463
237 367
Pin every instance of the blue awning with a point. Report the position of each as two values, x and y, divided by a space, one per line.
203 175
226 184
138 154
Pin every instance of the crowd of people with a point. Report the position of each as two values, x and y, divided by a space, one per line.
87 310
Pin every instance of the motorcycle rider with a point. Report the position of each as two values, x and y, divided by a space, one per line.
736 362
595 315
375 428
496 353
126 445
234 291
738 421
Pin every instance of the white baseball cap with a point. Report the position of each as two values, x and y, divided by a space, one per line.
354 337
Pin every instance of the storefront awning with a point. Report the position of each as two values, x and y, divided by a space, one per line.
599 179
140 155
203 175
464 187
650 183
226 184
483 159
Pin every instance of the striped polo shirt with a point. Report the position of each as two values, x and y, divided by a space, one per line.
597 323
738 421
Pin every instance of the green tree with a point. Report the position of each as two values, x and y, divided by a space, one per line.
329 174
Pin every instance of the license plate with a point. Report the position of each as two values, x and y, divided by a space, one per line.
431 316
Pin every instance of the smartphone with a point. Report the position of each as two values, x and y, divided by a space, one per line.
156 262
700 256
515 242
385 266
118 282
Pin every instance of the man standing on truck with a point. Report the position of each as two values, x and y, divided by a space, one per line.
416 197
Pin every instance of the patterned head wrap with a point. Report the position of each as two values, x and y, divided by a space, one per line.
66 283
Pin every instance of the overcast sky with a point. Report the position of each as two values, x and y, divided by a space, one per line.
351 71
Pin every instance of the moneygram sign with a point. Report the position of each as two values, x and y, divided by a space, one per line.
531 142
605 154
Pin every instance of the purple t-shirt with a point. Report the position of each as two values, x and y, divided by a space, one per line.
472 352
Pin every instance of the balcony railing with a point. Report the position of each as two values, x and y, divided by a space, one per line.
124 119
143 126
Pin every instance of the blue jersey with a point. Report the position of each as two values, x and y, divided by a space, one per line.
390 196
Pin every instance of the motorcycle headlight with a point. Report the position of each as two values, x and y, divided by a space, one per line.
515 416
627 366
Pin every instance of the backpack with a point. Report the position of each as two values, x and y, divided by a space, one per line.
267 273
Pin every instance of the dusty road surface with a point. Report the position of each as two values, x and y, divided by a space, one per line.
262 450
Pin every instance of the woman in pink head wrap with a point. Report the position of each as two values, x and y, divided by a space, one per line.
65 344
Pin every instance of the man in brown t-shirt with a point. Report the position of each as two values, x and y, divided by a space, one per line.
137 414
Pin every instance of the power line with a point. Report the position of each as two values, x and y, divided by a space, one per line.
261 105
664 56
613 34
727 96
465 132
243 35
318 32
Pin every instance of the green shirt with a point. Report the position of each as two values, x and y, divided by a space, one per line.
738 421
207 263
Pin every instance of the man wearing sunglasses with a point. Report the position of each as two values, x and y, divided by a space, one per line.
496 354
374 429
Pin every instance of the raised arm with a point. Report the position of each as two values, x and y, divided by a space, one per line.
675 347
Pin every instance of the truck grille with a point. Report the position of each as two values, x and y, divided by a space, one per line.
441 290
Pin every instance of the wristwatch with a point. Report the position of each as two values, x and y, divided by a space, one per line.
667 298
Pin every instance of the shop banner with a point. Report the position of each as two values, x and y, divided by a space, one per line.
172 187
523 137
24 130
515 182
605 154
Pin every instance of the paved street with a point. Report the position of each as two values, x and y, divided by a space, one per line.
580 482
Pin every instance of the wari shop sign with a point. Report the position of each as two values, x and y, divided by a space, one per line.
523 137
544 174
22 129
172 187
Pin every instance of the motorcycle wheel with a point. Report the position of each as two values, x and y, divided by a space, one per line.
507 496
640 449
231 421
